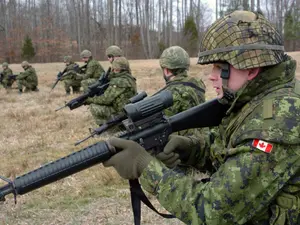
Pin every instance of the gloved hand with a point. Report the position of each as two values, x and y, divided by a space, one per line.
178 150
88 101
131 160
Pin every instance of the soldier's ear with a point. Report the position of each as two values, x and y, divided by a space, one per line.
253 73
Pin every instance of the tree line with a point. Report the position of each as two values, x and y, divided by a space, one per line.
143 28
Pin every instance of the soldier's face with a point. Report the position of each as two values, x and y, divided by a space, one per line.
215 78
110 58
85 59
237 79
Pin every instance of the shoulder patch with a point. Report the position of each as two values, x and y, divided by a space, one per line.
262 145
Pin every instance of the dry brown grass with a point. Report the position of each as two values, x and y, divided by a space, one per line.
32 134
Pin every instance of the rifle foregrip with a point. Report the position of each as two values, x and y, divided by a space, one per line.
63 167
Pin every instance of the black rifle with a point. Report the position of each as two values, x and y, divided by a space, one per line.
146 124
10 77
58 78
95 89
60 75
114 120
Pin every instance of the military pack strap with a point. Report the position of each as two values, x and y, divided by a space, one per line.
188 84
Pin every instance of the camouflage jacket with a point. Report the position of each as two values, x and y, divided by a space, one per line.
6 73
93 70
29 75
256 160
122 87
70 71
185 96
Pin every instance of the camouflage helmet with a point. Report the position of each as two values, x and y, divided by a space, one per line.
85 54
174 57
243 39
5 64
25 64
67 59
120 64
114 51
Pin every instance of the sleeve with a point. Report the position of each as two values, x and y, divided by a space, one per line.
9 72
243 186
23 75
110 94
182 100
90 70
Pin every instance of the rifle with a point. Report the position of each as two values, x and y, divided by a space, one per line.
60 75
12 77
97 88
146 124
114 120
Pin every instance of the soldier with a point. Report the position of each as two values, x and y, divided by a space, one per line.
113 52
69 77
122 87
28 78
187 91
255 156
7 77
93 70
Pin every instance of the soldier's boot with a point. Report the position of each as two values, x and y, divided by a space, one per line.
68 93
36 89
20 91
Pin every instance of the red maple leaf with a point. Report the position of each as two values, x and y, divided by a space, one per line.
262 145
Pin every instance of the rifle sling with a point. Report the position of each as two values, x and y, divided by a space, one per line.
137 195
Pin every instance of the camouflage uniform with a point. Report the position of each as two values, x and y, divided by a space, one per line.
187 91
92 73
122 87
253 182
6 80
28 78
69 77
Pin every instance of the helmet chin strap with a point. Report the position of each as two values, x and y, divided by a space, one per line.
228 95
167 78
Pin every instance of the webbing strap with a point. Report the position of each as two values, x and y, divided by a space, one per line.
138 195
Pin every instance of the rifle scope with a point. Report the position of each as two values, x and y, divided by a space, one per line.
149 106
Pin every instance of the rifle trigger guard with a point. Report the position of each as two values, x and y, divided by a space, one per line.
12 185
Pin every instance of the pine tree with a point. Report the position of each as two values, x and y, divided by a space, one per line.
27 49
190 36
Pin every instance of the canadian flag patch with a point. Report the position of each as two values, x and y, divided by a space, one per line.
262 145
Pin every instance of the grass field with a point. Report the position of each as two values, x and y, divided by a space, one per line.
32 134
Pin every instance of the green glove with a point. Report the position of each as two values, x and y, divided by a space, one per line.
179 150
88 101
130 161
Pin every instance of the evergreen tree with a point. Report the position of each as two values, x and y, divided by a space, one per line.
190 36
27 49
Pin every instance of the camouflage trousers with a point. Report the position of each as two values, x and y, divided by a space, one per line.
7 83
101 113
74 84
87 82
28 85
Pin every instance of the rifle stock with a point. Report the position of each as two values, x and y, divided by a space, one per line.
146 125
